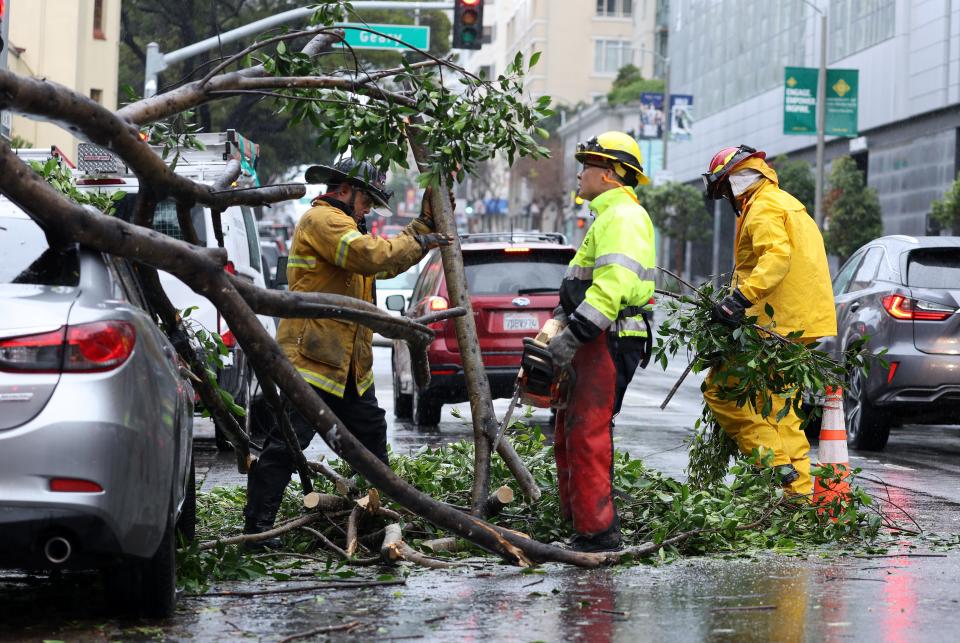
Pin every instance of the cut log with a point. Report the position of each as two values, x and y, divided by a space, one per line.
450 545
390 550
498 500
325 502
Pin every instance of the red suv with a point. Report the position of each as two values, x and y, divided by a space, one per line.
514 281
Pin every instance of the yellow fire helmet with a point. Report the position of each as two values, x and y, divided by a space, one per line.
618 150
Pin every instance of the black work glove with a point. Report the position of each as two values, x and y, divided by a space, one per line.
426 208
562 349
433 240
561 316
731 309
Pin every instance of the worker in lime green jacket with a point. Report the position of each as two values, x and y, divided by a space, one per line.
604 301
780 261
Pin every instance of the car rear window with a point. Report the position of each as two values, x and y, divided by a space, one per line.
28 258
502 273
934 268
165 221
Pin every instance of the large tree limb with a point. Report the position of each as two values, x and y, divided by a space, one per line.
88 119
485 425
193 94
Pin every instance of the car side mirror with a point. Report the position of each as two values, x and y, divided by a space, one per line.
396 303
280 279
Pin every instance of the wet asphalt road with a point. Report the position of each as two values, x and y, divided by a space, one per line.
906 597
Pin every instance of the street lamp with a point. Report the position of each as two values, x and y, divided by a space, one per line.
821 114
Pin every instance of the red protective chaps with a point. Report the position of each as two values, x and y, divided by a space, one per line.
583 441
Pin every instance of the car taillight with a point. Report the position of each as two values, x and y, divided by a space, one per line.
904 308
437 303
74 485
892 371
97 346
228 339
229 267
42 353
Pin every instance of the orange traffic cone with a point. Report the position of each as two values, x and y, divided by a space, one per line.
832 451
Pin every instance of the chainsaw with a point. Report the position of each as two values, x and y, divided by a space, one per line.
539 384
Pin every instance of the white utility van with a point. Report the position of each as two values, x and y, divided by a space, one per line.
99 170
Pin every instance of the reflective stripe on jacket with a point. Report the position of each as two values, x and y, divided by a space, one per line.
613 270
330 255
779 259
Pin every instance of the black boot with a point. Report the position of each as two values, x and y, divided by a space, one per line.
609 540
265 485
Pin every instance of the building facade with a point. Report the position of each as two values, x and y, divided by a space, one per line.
75 43
730 55
583 44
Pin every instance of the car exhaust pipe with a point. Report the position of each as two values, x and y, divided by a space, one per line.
57 550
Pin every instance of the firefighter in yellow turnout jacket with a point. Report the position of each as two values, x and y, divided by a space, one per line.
604 300
780 260
331 253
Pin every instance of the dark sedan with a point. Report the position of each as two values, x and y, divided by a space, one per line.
904 293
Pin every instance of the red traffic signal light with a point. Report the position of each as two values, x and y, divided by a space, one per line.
468 24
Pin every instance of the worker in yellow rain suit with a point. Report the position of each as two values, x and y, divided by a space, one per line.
780 260
331 253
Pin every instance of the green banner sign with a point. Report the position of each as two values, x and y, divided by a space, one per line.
800 100
842 86
413 35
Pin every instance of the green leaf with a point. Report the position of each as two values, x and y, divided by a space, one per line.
534 59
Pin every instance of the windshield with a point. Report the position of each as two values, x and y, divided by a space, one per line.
503 274
29 259
934 268
403 281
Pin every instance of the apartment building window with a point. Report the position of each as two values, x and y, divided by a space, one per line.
96 95
858 24
98 20
614 8
610 55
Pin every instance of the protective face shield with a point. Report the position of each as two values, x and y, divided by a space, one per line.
722 164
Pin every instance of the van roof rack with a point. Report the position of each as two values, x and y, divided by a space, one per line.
514 237
204 165
43 154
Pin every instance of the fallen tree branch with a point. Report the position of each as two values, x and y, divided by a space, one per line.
344 627
345 486
302 588
352 531
263 535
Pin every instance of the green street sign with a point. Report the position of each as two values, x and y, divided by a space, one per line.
800 100
413 35
842 86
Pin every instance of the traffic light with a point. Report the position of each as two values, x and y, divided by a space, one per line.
467 24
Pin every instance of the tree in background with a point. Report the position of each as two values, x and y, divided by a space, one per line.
678 210
946 212
629 84
796 177
177 23
853 214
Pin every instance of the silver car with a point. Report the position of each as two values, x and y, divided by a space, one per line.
904 293
96 421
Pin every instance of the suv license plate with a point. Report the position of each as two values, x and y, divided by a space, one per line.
513 321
